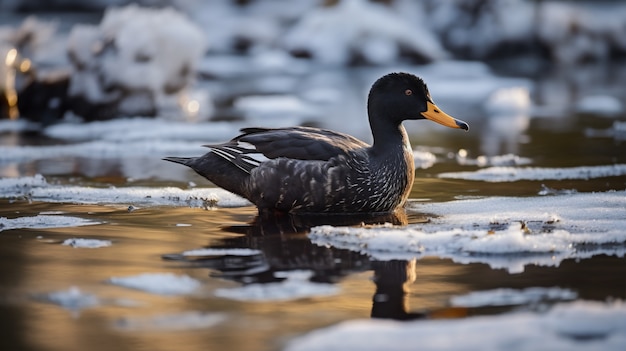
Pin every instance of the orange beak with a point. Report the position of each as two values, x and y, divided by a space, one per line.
435 114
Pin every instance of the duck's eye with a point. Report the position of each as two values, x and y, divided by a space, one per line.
408 92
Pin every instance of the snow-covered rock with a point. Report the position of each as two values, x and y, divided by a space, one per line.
355 30
133 62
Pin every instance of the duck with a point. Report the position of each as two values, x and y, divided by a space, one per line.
306 170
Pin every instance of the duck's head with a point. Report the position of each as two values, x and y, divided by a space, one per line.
403 96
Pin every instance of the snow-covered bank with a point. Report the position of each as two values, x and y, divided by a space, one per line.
580 325
503 232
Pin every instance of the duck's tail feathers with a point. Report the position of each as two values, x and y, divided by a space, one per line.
181 160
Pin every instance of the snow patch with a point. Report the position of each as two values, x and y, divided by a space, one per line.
513 174
221 252
602 105
159 283
72 299
43 222
171 322
134 129
509 100
133 61
87 243
359 29
497 160
508 297
503 232
38 189
295 286
423 159
580 325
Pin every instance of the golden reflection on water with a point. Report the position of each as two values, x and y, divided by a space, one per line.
35 264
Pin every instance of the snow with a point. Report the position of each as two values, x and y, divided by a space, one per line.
423 159
222 252
38 189
159 283
86 243
617 131
136 129
507 297
497 160
601 105
580 325
295 286
276 107
376 33
513 174
101 150
72 298
124 138
43 222
171 322
134 59
75 300
509 100
503 232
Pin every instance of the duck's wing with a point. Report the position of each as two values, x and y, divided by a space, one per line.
257 145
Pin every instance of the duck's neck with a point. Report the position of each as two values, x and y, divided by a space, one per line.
389 138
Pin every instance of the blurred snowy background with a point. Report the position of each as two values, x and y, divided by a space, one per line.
278 63
109 58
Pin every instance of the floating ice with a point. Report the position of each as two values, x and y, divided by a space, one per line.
72 298
36 188
171 322
159 283
103 150
296 286
134 129
503 232
498 160
100 150
580 325
508 100
277 105
86 243
20 184
222 252
513 174
506 297
602 105
43 222
617 131
423 159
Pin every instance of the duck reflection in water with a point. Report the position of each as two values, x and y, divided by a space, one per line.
279 243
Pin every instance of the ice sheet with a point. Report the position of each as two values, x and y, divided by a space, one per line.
159 283
580 325
512 174
171 322
503 232
38 189
507 297
43 222
295 286
87 243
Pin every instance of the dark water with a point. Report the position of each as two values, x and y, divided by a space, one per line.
33 264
